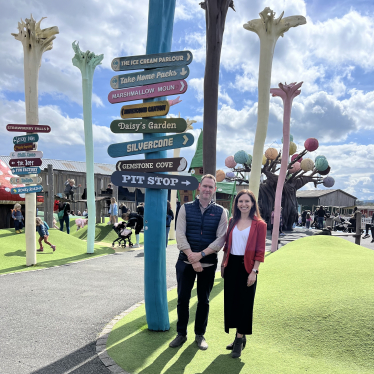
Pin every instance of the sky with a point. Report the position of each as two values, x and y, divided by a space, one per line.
333 55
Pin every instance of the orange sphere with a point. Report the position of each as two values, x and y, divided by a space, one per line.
271 153
220 175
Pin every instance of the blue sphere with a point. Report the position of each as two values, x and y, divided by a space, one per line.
321 164
291 138
241 157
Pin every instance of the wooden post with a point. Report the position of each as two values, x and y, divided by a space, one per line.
49 198
358 228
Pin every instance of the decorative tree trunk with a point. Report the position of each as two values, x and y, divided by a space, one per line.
35 42
86 62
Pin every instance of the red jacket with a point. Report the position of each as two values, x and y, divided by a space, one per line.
255 248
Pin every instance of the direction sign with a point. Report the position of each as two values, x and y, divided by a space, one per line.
28 128
148 92
25 180
152 165
157 60
25 162
149 77
27 154
26 139
27 189
156 125
24 171
161 143
159 181
152 109
24 147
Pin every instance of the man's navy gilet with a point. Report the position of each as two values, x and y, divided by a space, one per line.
201 229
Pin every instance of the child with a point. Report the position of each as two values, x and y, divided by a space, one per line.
18 217
308 220
42 229
55 224
113 211
69 188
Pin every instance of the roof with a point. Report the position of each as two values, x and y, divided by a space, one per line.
78 166
222 187
318 193
197 160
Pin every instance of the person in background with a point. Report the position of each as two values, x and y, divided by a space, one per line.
308 220
79 213
123 208
113 211
18 218
371 227
134 220
140 209
70 187
72 213
169 218
42 229
85 213
65 218
320 217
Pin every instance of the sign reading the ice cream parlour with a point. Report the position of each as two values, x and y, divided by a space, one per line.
153 109
154 125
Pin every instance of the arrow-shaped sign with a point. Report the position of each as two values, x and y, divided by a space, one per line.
25 180
184 72
186 183
185 139
188 56
182 86
27 189
24 171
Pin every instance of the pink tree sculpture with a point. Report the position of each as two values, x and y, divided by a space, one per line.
287 92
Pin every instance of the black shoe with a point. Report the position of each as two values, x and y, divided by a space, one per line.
178 341
201 342
372 241
366 236
237 348
230 346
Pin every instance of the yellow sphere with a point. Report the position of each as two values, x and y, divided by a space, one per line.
293 148
307 164
271 153
264 159
220 175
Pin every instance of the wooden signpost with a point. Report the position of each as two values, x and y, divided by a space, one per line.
25 147
25 180
26 154
27 189
153 165
153 109
148 92
150 77
25 162
26 139
25 171
156 125
158 181
28 128
161 143
156 60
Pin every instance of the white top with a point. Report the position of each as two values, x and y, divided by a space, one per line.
239 241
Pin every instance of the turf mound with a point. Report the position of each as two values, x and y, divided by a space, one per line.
313 313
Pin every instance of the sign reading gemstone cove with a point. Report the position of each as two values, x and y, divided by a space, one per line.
157 125
152 165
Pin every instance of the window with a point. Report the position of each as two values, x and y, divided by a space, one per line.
186 191
201 171
185 199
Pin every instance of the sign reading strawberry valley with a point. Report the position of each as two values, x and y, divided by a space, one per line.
28 128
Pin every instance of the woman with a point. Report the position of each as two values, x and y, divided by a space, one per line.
244 250
113 211
169 218
134 220
65 208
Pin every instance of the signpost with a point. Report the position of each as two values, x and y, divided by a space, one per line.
26 162
28 128
156 60
156 125
25 147
27 154
150 77
26 139
158 181
152 165
161 143
27 189
153 109
24 171
25 180
148 92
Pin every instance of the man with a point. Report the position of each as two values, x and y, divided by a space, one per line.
201 231
371 227
320 217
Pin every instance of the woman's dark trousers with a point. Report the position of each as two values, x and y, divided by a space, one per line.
66 220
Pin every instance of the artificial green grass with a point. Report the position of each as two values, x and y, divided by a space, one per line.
68 249
313 313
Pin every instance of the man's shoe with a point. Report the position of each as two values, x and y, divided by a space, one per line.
178 341
372 241
201 342
18 232
366 236
136 246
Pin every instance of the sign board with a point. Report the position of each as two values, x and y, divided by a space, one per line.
24 147
28 128
26 139
156 125
25 180
27 154
161 143
148 92
152 165
159 181
25 162
27 189
24 171
142 78
153 109
157 60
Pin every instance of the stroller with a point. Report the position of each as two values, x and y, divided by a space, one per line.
123 234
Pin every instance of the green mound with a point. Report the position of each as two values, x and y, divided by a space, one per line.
313 313
68 249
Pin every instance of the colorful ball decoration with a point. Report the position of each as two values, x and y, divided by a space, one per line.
307 164
311 144
296 155
291 138
318 157
264 159
271 153
328 182
322 164
230 174
241 157
230 162
295 167
325 172
220 175
293 148
249 159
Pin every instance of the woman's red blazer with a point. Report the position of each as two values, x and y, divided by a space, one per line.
255 248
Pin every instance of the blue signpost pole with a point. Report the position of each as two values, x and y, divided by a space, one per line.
159 38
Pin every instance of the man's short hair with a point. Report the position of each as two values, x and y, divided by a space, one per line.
210 176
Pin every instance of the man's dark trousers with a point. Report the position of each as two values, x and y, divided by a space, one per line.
186 278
